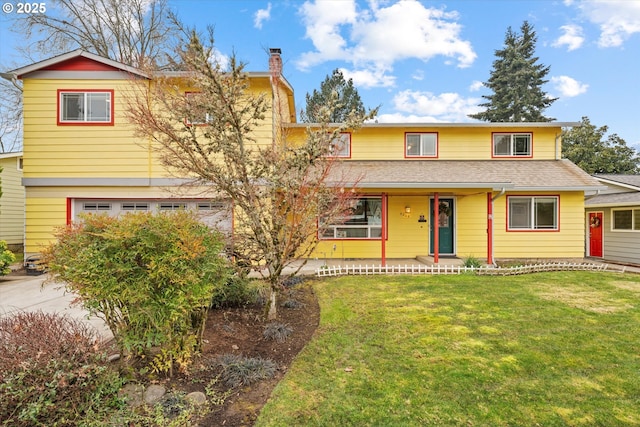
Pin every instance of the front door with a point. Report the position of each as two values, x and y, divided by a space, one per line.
445 226
595 234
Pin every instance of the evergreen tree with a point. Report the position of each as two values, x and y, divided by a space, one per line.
348 100
587 147
516 81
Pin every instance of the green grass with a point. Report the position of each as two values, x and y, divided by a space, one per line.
549 349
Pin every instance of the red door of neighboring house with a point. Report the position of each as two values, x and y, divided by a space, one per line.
595 234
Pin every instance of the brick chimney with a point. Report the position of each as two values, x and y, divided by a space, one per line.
275 62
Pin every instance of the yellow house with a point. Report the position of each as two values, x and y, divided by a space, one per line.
489 190
11 200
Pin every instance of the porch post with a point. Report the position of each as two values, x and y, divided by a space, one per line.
436 228
383 235
489 227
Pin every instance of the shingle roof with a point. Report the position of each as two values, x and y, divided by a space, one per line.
633 180
496 174
617 199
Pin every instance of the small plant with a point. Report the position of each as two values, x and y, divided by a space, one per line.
277 331
238 370
216 397
6 258
292 281
472 262
292 304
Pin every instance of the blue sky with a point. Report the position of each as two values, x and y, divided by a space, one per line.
424 61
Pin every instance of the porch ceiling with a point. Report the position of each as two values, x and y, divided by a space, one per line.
525 175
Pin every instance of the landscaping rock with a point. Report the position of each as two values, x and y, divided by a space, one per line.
133 393
197 398
153 394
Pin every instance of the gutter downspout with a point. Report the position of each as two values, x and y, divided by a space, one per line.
490 200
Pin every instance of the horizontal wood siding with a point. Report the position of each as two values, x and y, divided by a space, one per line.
567 243
408 238
43 216
619 246
11 202
471 228
347 249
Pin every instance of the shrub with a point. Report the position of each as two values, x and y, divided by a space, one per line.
237 291
52 372
150 277
6 258
238 370
277 331
472 262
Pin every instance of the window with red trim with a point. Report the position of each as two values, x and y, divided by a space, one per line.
341 145
85 107
421 144
364 221
511 144
197 114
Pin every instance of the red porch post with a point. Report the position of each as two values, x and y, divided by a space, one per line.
436 228
489 228
383 235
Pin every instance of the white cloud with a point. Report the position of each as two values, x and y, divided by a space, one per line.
373 39
261 16
618 19
426 106
572 37
568 87
369 78
220 58
476 85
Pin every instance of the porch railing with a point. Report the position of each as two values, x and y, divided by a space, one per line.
377 269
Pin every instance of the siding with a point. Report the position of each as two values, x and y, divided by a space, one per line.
619 246
568 242
11 202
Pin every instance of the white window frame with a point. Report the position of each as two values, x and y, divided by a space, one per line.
513 143
86 94
372 228
532 214
635 220
96 206
423 137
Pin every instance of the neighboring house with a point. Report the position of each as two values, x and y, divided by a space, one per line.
11 200
494 190
613 220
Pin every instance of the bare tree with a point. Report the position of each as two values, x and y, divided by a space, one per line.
134 32
10 115
278 188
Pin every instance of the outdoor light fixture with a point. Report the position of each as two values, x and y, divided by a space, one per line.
407 209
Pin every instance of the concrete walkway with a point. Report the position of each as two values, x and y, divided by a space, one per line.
29 293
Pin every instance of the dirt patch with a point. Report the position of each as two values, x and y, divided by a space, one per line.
239 331
583 298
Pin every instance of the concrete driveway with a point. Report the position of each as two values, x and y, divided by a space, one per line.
28 293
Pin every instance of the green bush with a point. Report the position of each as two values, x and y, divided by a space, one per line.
6 258
238 290
150 277
52 373
472 262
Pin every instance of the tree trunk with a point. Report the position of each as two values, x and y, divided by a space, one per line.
272 314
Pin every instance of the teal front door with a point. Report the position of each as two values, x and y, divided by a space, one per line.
445 226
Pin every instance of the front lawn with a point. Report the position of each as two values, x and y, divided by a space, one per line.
548 349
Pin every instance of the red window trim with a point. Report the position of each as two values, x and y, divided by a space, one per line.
350 147
531 230
437 134
512 156
188 122
59 102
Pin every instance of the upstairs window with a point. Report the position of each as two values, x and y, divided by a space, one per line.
421 145
85 107
533 213
511 145
341 145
